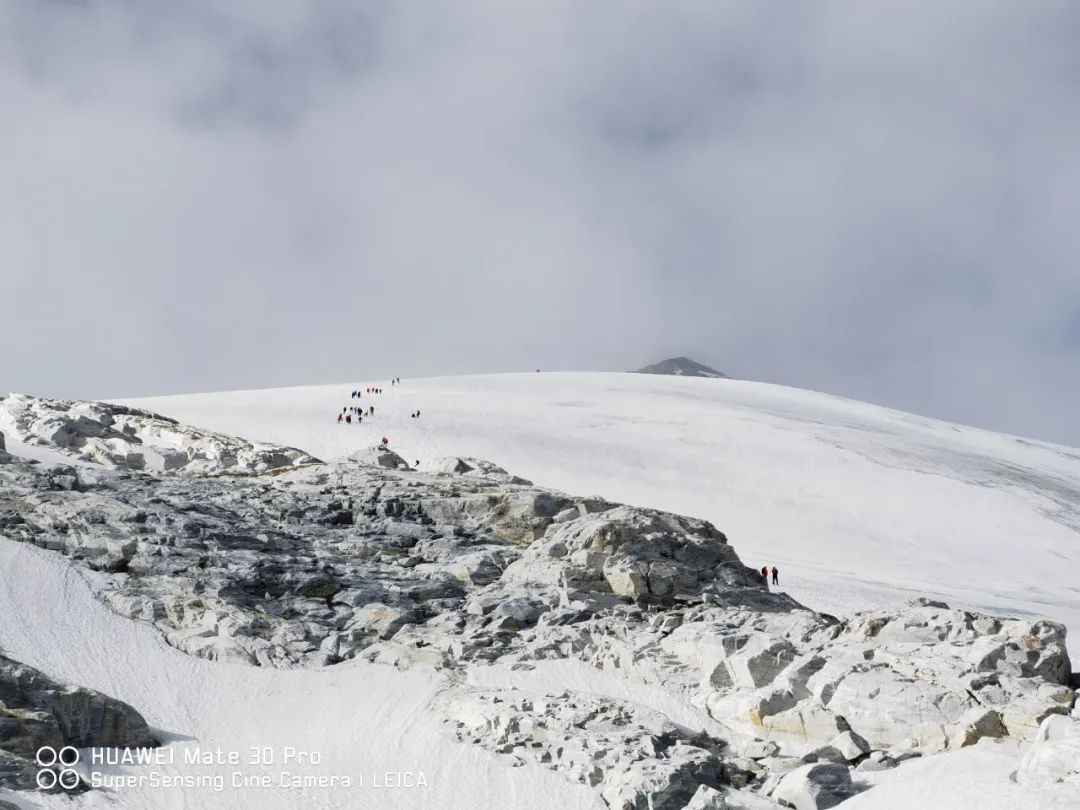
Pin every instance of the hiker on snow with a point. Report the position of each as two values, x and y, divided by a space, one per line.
775 576
765 573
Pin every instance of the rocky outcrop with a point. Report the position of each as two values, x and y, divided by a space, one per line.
635 757
454 569
458 465
682 367
313 567
380 456
36 711
815 787
127 438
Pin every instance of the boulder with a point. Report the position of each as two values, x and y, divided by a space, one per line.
815 787
850 745
475 467
120 437
1054 756
976 724
381 456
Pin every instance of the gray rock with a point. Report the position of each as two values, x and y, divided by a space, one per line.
635 757
37 711
815 787
380 456
128 438
850 745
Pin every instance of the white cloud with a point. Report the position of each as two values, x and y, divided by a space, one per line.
872 199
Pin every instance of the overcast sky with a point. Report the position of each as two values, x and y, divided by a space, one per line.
880 200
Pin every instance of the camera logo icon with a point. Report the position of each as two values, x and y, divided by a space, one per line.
49 759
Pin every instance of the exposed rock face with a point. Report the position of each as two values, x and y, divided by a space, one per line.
312 567
380 456
682 367
465 566
127 438
37 711
478 467
634 756
815 787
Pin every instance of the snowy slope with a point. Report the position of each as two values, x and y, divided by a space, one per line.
363 719
858 505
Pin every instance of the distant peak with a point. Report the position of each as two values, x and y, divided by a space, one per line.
682 367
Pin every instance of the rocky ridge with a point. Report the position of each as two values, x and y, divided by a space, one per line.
119 437
464 566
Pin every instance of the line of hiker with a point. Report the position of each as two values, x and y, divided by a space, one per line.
775 574
356 410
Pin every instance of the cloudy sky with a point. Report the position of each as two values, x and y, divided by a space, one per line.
880 200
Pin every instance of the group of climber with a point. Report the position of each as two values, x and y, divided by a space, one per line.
358 412
775 574
352 412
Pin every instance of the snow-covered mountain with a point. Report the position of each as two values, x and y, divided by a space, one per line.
682 367
620 656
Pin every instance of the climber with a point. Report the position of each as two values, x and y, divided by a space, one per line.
348 419
385 441
765 573
775 576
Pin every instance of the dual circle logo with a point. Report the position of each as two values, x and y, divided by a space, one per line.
47 776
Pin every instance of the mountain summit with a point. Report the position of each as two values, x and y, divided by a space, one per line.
681 367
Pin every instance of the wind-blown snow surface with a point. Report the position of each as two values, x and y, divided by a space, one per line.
859 506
